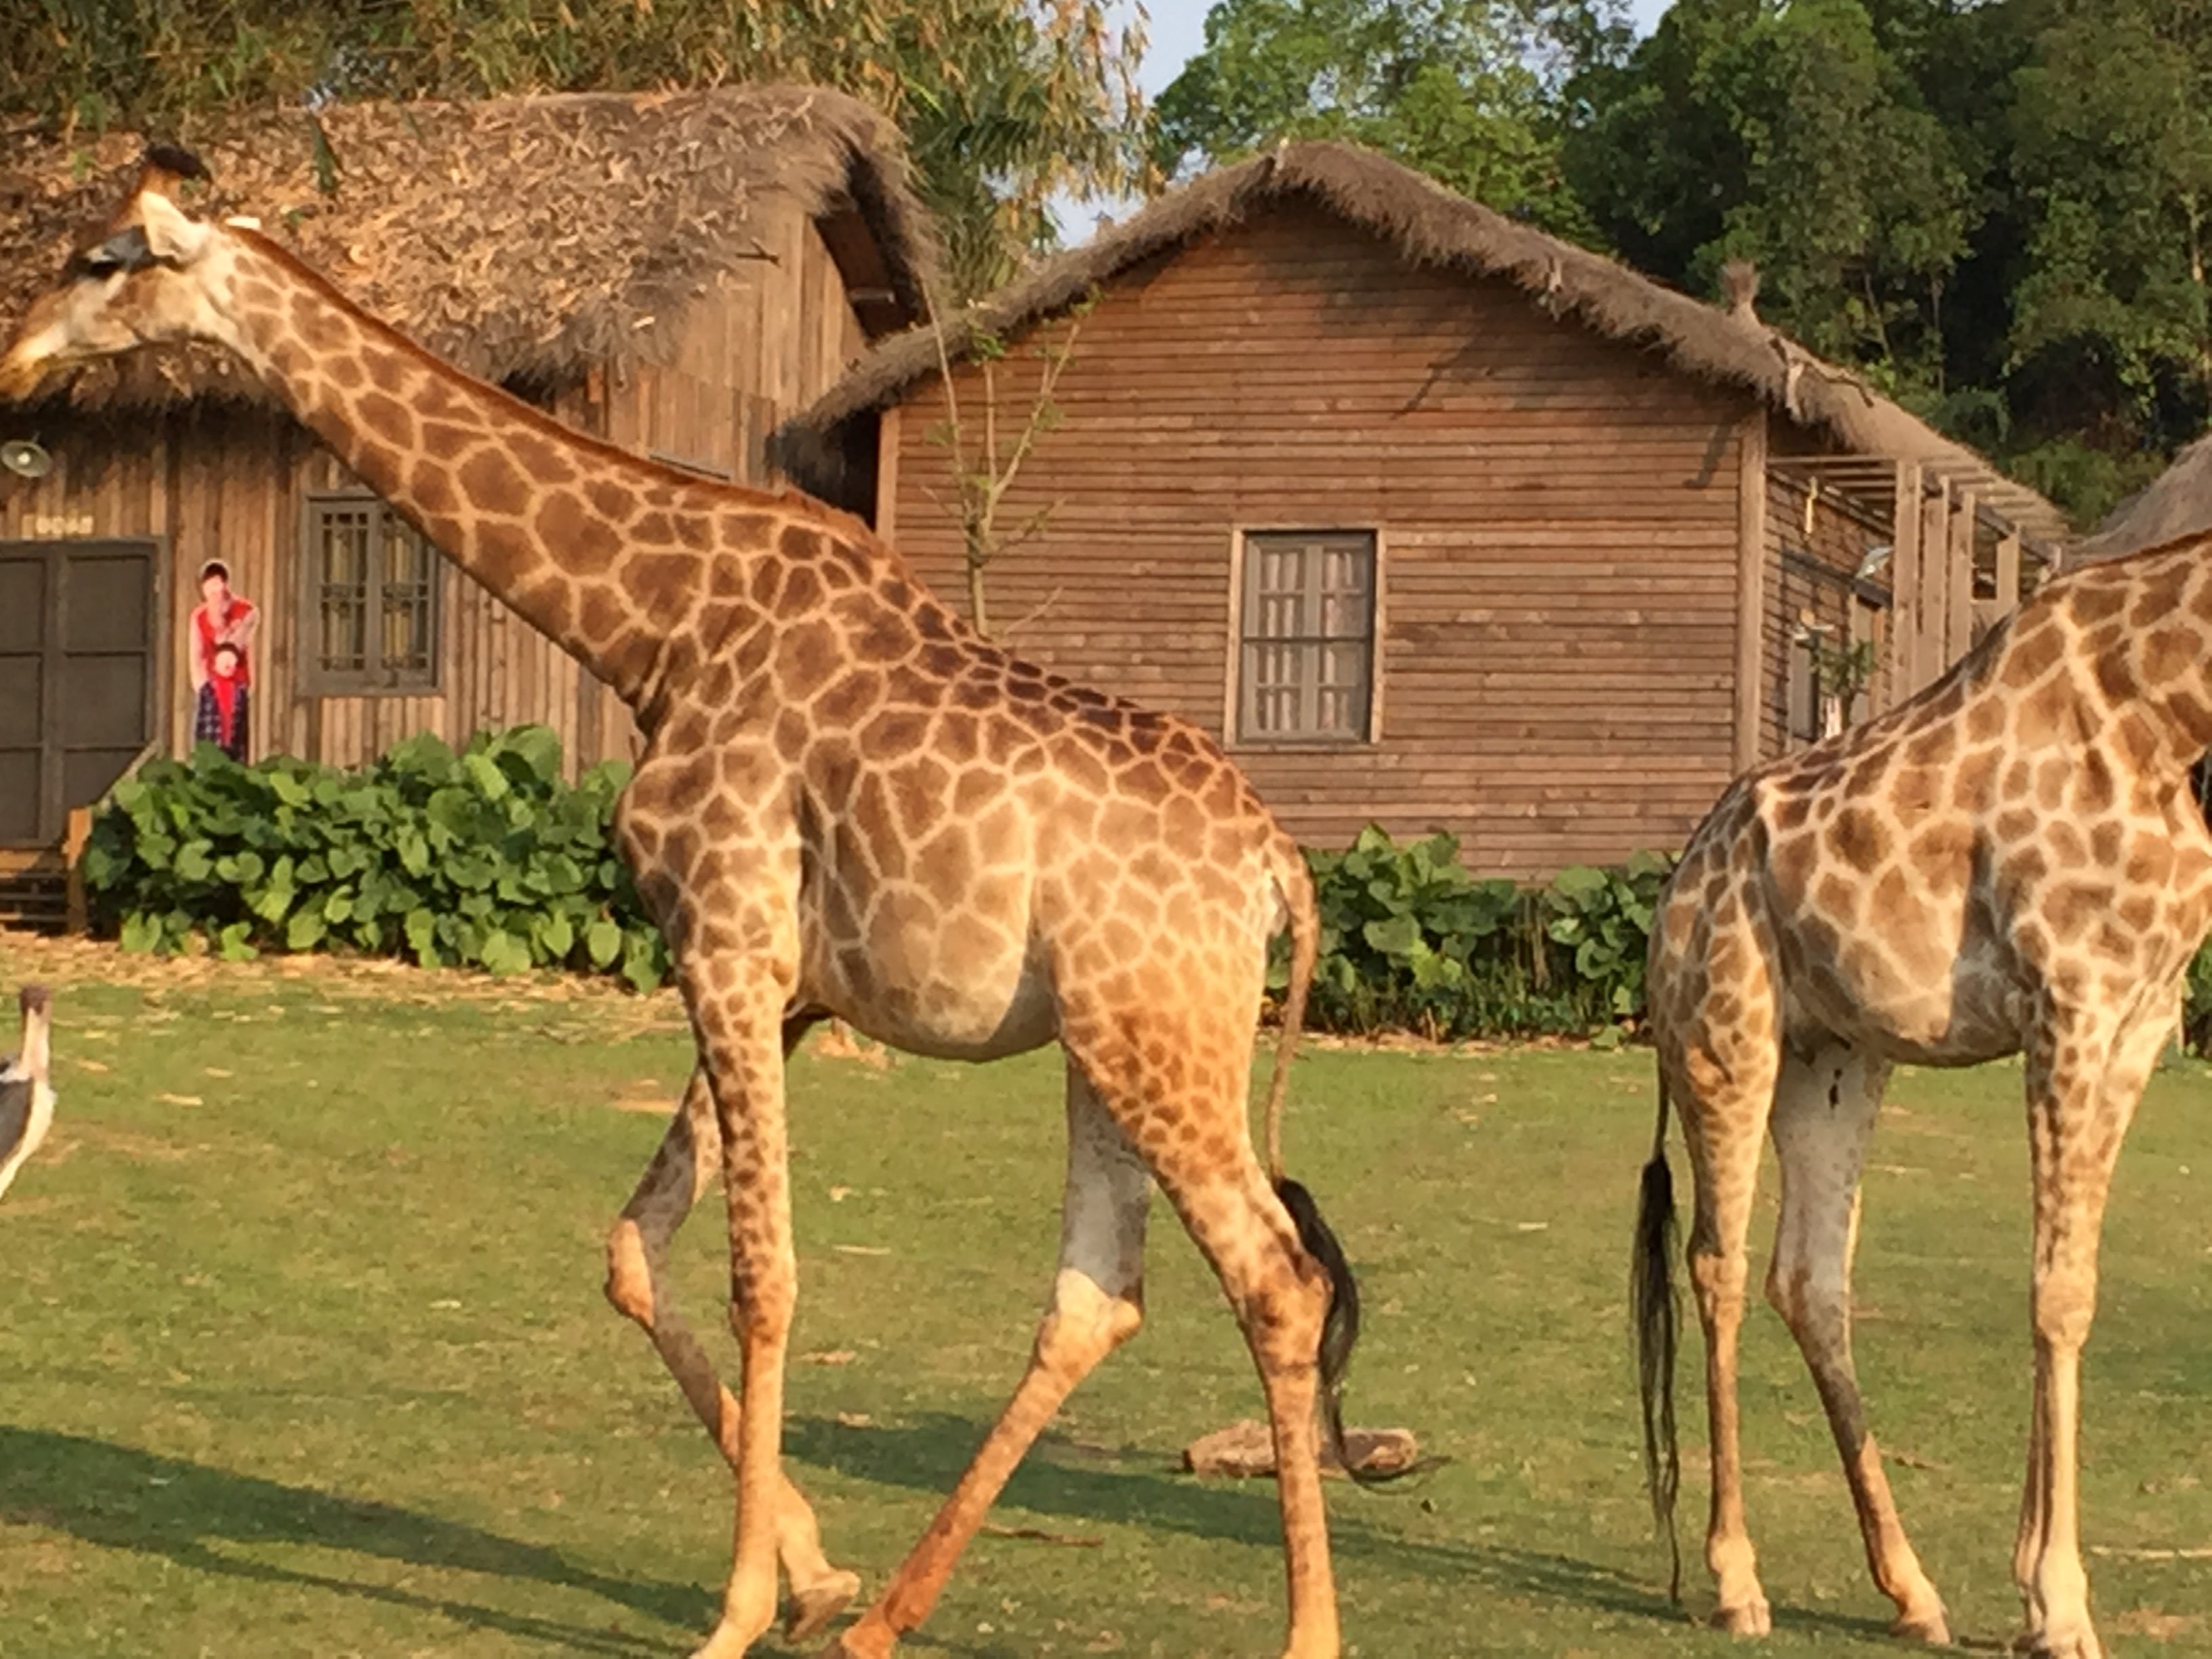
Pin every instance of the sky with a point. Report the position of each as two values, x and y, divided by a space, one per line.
1178 29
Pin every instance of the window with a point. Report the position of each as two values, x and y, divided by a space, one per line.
369 600
1306 668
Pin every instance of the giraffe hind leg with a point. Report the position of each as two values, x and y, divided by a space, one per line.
1824 1113
1096 1305
687 1159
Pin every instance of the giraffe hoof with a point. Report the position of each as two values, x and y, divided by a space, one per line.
811 1610
1752 1619
2078 1642
1933 1628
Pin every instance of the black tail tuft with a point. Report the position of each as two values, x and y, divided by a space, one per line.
1339 1330
1656 1317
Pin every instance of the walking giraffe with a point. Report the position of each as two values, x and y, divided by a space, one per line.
848 806
2014 861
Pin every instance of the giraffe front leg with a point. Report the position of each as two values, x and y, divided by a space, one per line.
1097 1305
737 1016
2083 1093
689 1156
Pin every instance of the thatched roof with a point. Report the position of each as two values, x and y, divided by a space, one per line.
519 237
2178 503
1429 225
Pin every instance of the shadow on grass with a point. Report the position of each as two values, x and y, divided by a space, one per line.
1134 1485
121 1498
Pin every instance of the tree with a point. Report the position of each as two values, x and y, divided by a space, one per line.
1466 90
2110 129
1004 103
1790 135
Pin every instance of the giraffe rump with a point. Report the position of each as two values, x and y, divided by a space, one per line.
1656 1316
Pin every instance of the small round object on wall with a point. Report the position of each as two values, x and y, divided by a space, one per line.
26 458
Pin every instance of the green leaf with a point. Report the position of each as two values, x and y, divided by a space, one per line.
142 933
305 931
502 952
603 943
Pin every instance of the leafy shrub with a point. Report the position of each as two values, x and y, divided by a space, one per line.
1410 940
484 858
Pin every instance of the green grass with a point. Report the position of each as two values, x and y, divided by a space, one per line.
318 1364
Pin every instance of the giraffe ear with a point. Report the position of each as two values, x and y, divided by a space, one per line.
166 166
170 233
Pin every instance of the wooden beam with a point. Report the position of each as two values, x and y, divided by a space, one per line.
1935 584
887 473
1905 584
1959 619
78 918
1750 586
2008 573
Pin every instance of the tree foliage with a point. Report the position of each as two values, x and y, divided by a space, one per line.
1004 103
1470 91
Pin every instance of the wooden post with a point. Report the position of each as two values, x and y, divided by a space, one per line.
1934 581
1904 584
78 919
887 473
2008 572
1750 586
1958 621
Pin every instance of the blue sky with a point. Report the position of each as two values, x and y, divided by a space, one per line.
1178 29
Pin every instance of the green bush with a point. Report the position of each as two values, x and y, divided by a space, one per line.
484 858
1410 940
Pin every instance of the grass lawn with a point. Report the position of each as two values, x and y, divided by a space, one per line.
302 1350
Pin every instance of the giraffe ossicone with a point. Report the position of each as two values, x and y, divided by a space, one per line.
2012 861
848 805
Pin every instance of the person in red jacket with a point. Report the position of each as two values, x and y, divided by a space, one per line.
220 618
221 717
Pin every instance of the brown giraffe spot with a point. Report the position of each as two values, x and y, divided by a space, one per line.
2139 911
2051 778
695 530
345 374
1856 836
1985 720
1916 792
2014 823
806 658
492 481
1002 738
539 456
886 637
387 418
800 542
2170 653
1792 865
2070 908
2151 863
893 733
327 331
587 544
661 584
918 790
599 612
2115 675
2033 654
1891 893
1791 813
610 498
2193 713
444 441
2096 599
1145 781
848 698
432 487
959 737
2108 842
504 554
2095 789
656 529
388 370
1933 746
2066 844
802 591
1941 855
546 600
1837 898
1974 784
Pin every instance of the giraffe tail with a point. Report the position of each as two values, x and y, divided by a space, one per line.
1296 883
1656 1315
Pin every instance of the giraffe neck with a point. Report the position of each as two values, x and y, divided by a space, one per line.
605 553
2143 630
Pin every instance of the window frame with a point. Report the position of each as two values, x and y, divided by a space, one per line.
1243 537
317 678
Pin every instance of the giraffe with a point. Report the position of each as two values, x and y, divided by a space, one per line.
2012 861
27 1093
848 806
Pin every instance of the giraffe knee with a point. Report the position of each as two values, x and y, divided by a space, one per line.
1086 1322
2064 1309
629 1274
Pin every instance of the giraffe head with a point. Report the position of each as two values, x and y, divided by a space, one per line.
149 273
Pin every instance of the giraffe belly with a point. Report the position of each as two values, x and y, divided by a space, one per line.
1963 1022
949 998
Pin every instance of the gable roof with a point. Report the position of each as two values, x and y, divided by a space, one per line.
1429 225
2176 503
521 238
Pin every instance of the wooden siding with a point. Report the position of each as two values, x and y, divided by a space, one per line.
1557 516
774 335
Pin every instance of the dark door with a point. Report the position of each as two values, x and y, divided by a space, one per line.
76 678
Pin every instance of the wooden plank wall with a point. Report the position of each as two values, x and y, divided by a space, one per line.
1559 516
771 337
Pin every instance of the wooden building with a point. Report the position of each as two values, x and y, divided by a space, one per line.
1437 520
678 274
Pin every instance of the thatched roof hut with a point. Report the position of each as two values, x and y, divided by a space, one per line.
523 239
1432 225
2178 503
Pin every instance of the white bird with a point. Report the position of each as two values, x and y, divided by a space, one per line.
27 1098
